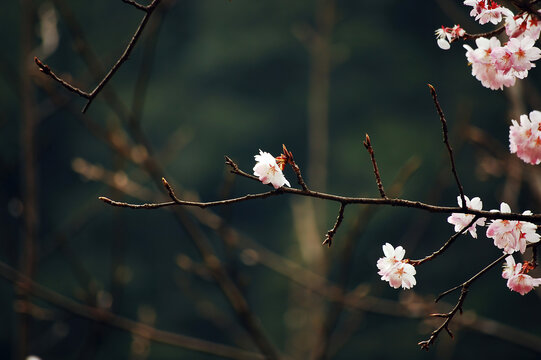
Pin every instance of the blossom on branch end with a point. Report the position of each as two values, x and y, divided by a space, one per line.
525 139
445 36
487 11
268 170
517 280
512 235
460 221
394 269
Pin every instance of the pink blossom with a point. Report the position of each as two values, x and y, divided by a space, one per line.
512 235
522 25
517 280
503 59
525 139
523 53
401 274
392 256
394 269
483 65
487 11
268 170
446 35
460 221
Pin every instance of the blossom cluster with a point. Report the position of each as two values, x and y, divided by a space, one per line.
508 235
493 64
525 138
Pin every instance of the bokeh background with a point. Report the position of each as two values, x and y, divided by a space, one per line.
214 78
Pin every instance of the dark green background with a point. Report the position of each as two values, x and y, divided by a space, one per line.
231 78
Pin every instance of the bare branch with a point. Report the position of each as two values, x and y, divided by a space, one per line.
90 96
446 141
368 147
133 327
425 344
47 71
445 246
485 34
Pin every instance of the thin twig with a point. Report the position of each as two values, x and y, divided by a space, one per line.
330 234
368 147
295 167
446 141
137 5
445 246
47 71
108 318
170 191
90 96
425 344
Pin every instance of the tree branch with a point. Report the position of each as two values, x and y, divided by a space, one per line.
368 147
425 344
90 96
110 319
446 141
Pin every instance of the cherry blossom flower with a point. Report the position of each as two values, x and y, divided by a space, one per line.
268 170
503 59
487 11
517 280
523 53
522 25
512 235
460 221
483 67
394 269
402 274
446 35
392 256
525 139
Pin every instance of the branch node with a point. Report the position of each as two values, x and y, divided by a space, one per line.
330 234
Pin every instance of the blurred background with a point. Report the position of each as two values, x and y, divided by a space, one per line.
214 78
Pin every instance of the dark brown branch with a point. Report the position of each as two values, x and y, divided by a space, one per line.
110 319
446 245
425 344
332 232
137 5
526 6
90 96
295 167
446 141
29 171
535 218
368 147
487 34
47 71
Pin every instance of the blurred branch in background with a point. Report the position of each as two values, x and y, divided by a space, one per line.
90 96
29 186
108 318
